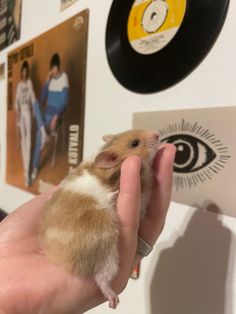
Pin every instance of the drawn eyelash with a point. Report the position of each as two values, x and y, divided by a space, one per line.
200 155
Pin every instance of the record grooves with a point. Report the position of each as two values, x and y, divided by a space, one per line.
202 23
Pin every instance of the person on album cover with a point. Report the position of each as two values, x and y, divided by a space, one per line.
55 94
24 101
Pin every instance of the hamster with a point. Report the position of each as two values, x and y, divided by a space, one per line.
79 227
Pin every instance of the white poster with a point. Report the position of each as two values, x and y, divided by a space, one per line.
205 163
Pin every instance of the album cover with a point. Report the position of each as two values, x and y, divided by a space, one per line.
67 3
2 71
204 167
46 99
10 22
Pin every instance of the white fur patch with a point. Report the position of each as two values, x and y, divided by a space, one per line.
148 176
90 186
109 269
145 202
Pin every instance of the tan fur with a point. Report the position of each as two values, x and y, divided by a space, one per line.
117 144
76 254
146 151
74 231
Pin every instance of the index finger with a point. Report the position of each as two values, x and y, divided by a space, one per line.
163 169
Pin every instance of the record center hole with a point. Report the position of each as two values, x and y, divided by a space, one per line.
153 16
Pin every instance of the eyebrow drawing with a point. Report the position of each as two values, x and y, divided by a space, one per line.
200 154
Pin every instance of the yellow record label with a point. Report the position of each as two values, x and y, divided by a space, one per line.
152 24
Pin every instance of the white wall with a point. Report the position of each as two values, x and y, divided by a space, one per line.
192 267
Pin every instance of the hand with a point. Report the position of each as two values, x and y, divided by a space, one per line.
31 284
49 75
53 123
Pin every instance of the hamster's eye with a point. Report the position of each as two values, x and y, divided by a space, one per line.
135 143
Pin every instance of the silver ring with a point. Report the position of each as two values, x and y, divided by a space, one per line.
143 248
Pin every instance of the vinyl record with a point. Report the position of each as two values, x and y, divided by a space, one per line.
153 44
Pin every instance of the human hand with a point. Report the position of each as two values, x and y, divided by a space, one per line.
151 227
31 284
50 74
53 123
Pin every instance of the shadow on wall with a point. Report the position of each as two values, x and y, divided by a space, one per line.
190 277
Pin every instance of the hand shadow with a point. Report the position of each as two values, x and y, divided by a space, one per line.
190 277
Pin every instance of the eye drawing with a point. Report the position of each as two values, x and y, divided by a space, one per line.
191 154
199 154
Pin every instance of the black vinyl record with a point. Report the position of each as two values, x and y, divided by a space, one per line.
148 73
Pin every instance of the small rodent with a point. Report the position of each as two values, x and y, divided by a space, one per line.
79 227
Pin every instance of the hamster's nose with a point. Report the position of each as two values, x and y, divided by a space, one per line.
155 136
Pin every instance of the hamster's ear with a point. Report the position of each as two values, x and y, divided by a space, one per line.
106 160
108 138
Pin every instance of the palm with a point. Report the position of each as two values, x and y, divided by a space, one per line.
36 281
36 285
